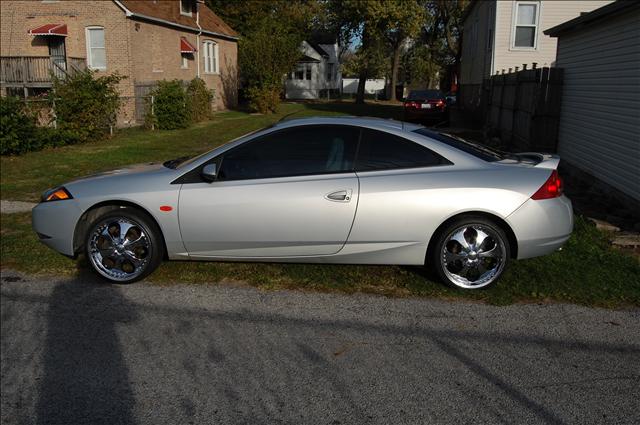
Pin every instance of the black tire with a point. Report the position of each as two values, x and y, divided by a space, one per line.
149 251
474 263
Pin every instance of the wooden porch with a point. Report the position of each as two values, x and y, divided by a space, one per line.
36 71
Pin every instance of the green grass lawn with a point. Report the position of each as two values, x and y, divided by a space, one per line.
586 272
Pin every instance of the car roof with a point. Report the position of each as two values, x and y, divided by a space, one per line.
371 122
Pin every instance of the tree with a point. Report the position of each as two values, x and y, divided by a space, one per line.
265 57
271 35
383 26
401 20
444 31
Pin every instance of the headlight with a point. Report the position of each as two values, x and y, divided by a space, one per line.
57 194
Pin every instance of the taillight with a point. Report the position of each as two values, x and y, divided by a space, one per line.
440 103
412 105
552 188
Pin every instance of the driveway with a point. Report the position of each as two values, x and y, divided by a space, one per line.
76 351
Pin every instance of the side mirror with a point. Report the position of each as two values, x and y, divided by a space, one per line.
209 172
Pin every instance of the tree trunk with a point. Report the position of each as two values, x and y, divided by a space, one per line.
395 64
362 80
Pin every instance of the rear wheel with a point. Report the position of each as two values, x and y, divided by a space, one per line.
123 245
470 253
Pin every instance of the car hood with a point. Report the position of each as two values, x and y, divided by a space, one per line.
130 171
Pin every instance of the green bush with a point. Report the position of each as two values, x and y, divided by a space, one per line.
199 99
169 109
264 99
86 106
18 131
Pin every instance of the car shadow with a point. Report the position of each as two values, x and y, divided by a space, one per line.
85 378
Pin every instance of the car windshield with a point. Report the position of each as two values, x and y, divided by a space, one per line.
425 94
483 152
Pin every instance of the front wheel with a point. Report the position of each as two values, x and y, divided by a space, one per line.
470 253
123 245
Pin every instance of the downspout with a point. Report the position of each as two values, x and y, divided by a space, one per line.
198 37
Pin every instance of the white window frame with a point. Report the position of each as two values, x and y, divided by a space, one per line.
190 4
90 64
185 61
211 57
514 25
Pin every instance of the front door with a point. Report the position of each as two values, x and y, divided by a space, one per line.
58 54
291 192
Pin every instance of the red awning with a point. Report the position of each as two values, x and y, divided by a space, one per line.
185 46
50 29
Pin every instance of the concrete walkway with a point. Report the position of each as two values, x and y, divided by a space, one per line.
12 207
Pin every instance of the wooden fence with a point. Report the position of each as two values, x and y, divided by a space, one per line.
523 108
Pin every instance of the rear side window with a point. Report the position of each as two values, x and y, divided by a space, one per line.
384 151
295 151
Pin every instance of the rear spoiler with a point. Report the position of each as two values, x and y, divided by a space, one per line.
545 160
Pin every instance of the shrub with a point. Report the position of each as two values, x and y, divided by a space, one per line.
18 131
169 109
265 56
199 100
264 99
86 106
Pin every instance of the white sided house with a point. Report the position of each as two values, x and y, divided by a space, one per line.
316 75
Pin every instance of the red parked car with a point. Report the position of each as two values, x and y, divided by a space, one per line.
422 105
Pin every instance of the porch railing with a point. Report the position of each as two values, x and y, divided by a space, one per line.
37 70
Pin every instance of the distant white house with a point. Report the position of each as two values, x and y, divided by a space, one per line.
317 74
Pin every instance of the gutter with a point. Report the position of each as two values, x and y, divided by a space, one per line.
198 38
131 14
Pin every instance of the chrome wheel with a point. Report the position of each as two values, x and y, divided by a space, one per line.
119 248
473 256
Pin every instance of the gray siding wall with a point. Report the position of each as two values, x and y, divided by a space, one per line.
600 114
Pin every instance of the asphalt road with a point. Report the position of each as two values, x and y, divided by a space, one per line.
78 352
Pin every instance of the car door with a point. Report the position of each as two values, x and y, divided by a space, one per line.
291 192
400 199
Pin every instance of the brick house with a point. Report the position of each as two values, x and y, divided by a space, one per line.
146 41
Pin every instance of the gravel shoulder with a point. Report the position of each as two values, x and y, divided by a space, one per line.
78 351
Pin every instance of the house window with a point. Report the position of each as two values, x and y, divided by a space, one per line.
210 50
185 61
308 71
186 7
526 25
299 72
96 54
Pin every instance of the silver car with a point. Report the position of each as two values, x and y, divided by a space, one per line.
319 190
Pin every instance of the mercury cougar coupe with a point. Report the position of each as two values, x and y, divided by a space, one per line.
318 190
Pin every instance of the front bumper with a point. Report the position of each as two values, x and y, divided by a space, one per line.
542 227
55 224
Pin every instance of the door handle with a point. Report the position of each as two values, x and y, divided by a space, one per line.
339 195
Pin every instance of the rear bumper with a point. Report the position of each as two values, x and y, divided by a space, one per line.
424 113
55 222
542 227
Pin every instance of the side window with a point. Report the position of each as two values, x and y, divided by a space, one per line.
384 151
293 152
526 24
96 56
